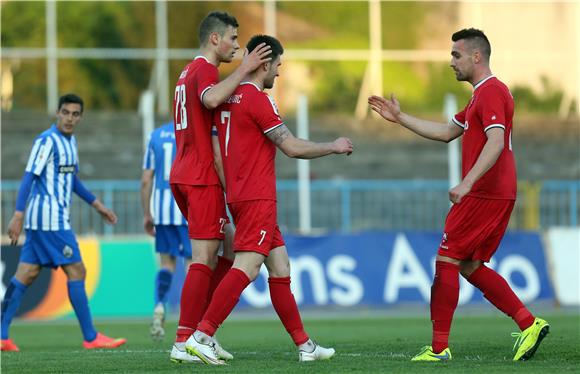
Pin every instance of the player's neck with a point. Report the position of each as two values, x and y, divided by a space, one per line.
255 80
210 56
478 76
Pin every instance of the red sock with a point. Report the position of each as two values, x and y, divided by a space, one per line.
285 305
496 289
224 300
222 267
444 297
193 299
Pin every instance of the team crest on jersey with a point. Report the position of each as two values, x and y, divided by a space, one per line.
67 251
444 241
183 73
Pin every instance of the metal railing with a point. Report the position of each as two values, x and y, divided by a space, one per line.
341 205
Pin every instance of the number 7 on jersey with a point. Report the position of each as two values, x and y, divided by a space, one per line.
226 119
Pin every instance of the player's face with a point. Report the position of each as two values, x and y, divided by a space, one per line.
67 117
272 73
462 61
228 44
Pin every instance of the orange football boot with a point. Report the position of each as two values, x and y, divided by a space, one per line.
7 345
104 342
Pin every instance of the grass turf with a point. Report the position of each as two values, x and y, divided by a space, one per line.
478 345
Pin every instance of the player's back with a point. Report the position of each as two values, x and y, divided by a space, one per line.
159 157
248 154
193 163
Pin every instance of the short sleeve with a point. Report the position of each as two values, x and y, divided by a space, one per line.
40 155
492 108
149 157
459 118
266 114
207 77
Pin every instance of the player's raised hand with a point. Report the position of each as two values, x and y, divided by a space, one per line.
342 145
148 225
15 227
389 109
257 57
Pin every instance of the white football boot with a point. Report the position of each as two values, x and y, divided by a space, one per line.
157 329
203 346
310 351
180 356
221 352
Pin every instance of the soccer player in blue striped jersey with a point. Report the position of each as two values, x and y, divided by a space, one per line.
165 223
50 178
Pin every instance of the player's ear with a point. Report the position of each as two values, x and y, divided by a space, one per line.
214 38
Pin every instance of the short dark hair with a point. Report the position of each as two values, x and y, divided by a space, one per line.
476 38
215 22
71 99
276 48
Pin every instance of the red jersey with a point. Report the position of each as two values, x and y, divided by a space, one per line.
242 122
193 163
491 105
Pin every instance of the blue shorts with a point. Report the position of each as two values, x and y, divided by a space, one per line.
172 240
50 248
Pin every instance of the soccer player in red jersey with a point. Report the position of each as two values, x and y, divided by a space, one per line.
482 202
194 181
249 128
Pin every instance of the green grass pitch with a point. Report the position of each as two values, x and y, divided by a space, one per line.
370 345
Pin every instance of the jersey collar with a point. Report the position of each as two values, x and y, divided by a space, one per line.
205 58
253 84
478 84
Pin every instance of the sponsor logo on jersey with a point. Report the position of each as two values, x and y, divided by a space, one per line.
66 169
234 99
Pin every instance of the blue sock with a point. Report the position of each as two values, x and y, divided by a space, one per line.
10 304
162 285
78 298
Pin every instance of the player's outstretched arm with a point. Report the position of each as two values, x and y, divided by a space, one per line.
390 109
146 188
221 91
107 214
299 148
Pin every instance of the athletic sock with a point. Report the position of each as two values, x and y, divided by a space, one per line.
444 298
224 300
80 303
285 305
193 298
223 266
10 304
162 285
496 289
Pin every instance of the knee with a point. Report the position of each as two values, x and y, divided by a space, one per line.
27 274
75 271
468 268
279 270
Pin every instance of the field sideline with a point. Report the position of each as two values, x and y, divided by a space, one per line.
480 344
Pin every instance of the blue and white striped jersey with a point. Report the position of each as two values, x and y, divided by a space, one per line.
54 161
159 156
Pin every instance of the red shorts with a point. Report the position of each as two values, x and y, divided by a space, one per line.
205 209
474 228
256 226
